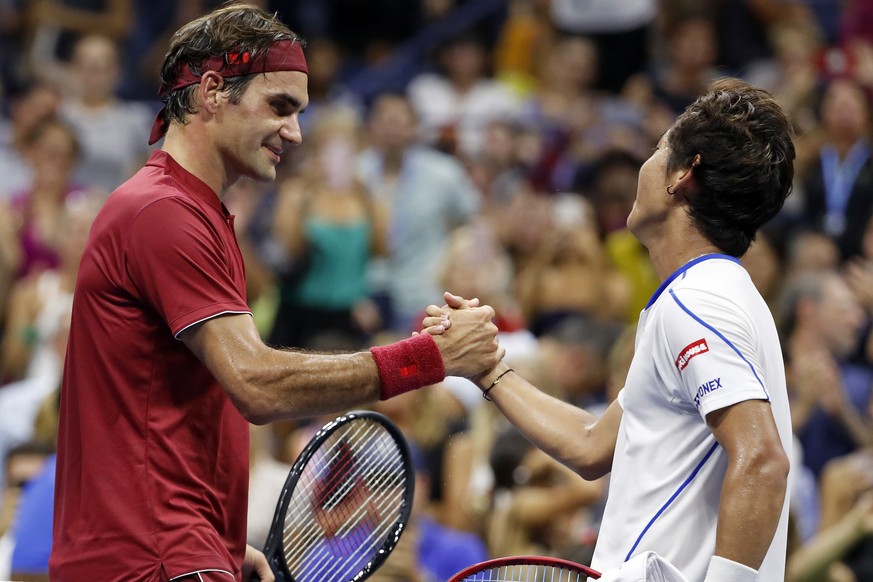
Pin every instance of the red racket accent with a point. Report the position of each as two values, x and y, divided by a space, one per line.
526 569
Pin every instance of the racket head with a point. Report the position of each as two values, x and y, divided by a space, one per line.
526 569
345 503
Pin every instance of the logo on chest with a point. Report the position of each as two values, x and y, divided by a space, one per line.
693 349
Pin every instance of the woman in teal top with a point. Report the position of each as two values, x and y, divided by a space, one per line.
328 223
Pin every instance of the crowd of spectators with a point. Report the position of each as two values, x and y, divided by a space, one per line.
502 167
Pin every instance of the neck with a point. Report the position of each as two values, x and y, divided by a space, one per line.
843 143
392 159
193 150
671 250
96 102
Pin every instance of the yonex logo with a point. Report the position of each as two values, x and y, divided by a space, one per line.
705 389
693 349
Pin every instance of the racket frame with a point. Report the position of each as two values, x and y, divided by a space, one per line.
274 548
510 561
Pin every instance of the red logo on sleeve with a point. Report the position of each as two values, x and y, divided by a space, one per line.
693 349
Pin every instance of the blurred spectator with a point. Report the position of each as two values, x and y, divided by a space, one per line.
569 273
40 304
429 551
567 73
12 64
764 265
843 548
325 87
32 530
537 503
612 189
266 480
523 38
476 265
793 73
575 351
54 26
456 102
20 466
859 276
427 195
837 188
498 170
830 392
51 152
809 251
330 225
154 22
687 69
743 28
620 30
113 133
28 108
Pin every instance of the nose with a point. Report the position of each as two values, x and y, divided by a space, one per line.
290 131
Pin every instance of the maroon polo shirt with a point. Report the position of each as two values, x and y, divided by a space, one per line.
152 456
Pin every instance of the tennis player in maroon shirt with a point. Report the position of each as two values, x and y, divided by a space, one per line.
165 368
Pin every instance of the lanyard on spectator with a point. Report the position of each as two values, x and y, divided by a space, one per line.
839 179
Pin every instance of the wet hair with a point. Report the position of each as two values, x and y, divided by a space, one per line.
746 163
232 28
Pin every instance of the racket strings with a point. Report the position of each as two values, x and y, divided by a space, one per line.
358 487
354 549
353 545
303 503
527 573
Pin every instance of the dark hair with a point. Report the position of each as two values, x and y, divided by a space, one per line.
231 28
746 164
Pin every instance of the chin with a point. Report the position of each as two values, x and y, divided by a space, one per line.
263 174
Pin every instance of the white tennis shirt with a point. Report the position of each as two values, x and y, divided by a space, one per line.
705 341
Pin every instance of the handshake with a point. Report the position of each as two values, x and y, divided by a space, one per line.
466 336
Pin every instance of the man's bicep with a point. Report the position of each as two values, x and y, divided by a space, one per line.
228 345
744 427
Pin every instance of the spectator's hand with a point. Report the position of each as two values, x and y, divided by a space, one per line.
859 276
255 563
366 316
865 507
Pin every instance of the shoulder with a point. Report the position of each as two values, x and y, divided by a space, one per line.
429 159
716 293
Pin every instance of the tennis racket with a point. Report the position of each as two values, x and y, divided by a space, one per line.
526 569
345 502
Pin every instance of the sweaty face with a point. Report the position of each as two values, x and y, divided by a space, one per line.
253 133
651 203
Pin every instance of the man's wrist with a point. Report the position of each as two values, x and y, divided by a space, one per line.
724 570
408 365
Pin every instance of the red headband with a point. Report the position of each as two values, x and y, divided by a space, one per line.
284 55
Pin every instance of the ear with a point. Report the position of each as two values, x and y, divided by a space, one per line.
683 179
209 90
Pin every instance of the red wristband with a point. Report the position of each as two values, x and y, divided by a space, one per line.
408 365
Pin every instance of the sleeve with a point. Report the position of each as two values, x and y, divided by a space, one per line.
711 347
180 265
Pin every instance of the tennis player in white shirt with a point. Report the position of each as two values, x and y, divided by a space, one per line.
698 440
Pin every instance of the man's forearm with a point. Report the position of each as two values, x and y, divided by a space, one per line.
752 499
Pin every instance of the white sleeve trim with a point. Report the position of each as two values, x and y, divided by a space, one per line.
211 317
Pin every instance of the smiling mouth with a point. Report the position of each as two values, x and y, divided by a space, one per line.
275 151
